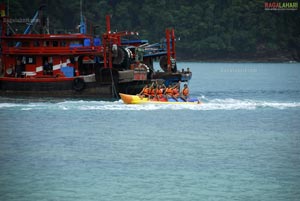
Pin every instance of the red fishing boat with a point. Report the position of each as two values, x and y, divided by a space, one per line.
80 64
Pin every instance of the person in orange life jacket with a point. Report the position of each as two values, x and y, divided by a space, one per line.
169 91
152 91
145 92
185 92
156 91
159 91
176 93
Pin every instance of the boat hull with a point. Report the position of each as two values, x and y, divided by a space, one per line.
53 87
134 99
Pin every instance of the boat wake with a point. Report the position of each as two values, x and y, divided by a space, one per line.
208 104
246 104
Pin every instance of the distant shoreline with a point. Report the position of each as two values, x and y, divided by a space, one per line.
257 58
264 56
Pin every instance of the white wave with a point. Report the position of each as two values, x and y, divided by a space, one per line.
213 104
26 109
8 105
247 104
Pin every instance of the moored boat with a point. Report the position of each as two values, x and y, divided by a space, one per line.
81 64
135 99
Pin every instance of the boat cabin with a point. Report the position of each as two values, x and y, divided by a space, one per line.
49 55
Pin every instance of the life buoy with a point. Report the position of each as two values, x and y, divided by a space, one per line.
78 84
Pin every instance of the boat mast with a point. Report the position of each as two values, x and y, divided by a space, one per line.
171 53
82 22
7 30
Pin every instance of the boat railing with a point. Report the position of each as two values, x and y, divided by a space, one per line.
49 50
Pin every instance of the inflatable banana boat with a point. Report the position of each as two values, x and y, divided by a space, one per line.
134 99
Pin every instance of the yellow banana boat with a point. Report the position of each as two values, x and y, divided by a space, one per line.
134 99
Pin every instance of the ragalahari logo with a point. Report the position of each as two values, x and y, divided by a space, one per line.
281 6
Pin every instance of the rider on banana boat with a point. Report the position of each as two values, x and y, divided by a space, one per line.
152 91
184 95
145 92
172 92
169 91
176 93
160 91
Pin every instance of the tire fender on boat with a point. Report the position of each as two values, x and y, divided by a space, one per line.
78 84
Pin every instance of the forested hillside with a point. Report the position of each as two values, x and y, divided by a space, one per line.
205 30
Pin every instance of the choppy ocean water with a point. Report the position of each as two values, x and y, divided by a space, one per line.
242 143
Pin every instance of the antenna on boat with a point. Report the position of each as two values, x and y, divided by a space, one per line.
82 22
43 19
7 31
7 7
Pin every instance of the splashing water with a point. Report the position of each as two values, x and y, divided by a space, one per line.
207 104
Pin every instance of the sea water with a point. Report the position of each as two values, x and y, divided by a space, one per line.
242 143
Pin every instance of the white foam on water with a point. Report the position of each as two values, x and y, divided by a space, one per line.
8 105
207 104
246 104
214 104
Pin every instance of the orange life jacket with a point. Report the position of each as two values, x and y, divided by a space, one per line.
152 92
159 91
146 91
175 92
185 92
169 91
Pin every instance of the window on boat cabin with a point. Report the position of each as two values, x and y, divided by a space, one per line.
76 43
63 43
12 43
46 43
30 60
50 60
36 44
23 59
55 43
25 44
